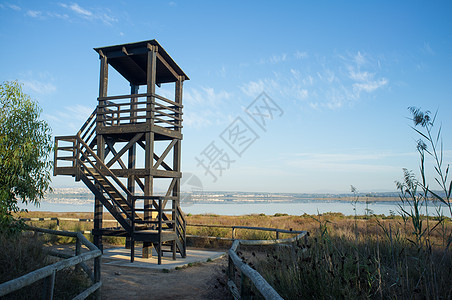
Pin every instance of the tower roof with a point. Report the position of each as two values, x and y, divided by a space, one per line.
130 60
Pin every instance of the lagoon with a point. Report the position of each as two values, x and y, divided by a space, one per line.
311 207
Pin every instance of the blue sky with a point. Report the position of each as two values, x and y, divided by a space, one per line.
341 74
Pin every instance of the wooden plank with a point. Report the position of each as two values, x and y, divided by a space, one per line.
165 153
149 140
164 107
120 111
168 101
259 282
167 66
88 291
112 149
164 165
172 116
124 149
27 279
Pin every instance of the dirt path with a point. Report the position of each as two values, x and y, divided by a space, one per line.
201 281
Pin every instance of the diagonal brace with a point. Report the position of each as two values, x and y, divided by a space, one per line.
123 150
112 149
165 153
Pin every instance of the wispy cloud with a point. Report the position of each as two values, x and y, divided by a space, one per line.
74 11
34 13
41 83
14 7
204 107
300 54
427 49
337 81
90 14
362 162
71 118
78 10
206 96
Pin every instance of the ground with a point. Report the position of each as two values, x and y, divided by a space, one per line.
205 280
201 281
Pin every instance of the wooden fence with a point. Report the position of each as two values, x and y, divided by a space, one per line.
247 274
48 273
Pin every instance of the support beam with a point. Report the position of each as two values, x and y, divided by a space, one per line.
131 163
165 153
112 150
98 207
130 144
149 138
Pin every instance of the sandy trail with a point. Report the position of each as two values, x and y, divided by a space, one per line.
201 281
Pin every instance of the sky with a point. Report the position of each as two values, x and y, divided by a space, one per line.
318 90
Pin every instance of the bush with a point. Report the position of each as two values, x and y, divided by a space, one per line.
23 253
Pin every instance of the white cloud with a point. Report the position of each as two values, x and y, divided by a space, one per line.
369 86
336 81
274 59
34 13
204 106
205 96
300 55
103 15
79 10
428 49
70 119
359 59
39 87
356 162
14 7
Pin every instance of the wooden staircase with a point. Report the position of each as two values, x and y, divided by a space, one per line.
164 227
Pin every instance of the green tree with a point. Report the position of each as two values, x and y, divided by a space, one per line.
25 146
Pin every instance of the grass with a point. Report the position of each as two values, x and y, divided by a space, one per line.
377 261
23 253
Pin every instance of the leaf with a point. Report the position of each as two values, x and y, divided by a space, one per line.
419 133
450 189
438 197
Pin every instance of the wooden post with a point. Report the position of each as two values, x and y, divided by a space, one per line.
97 272
159 258
78 250
98 207
149 137
131 164
245 288
49 286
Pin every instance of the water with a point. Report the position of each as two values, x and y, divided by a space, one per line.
231 209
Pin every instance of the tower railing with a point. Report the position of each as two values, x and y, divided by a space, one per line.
135 109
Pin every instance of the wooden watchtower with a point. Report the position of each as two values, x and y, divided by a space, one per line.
128 152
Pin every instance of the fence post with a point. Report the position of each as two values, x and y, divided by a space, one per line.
49 284
231 269
78 250
57 224
245 290
233 233
97 263
277 234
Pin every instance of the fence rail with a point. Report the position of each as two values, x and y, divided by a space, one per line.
249 275
233 227
48 272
